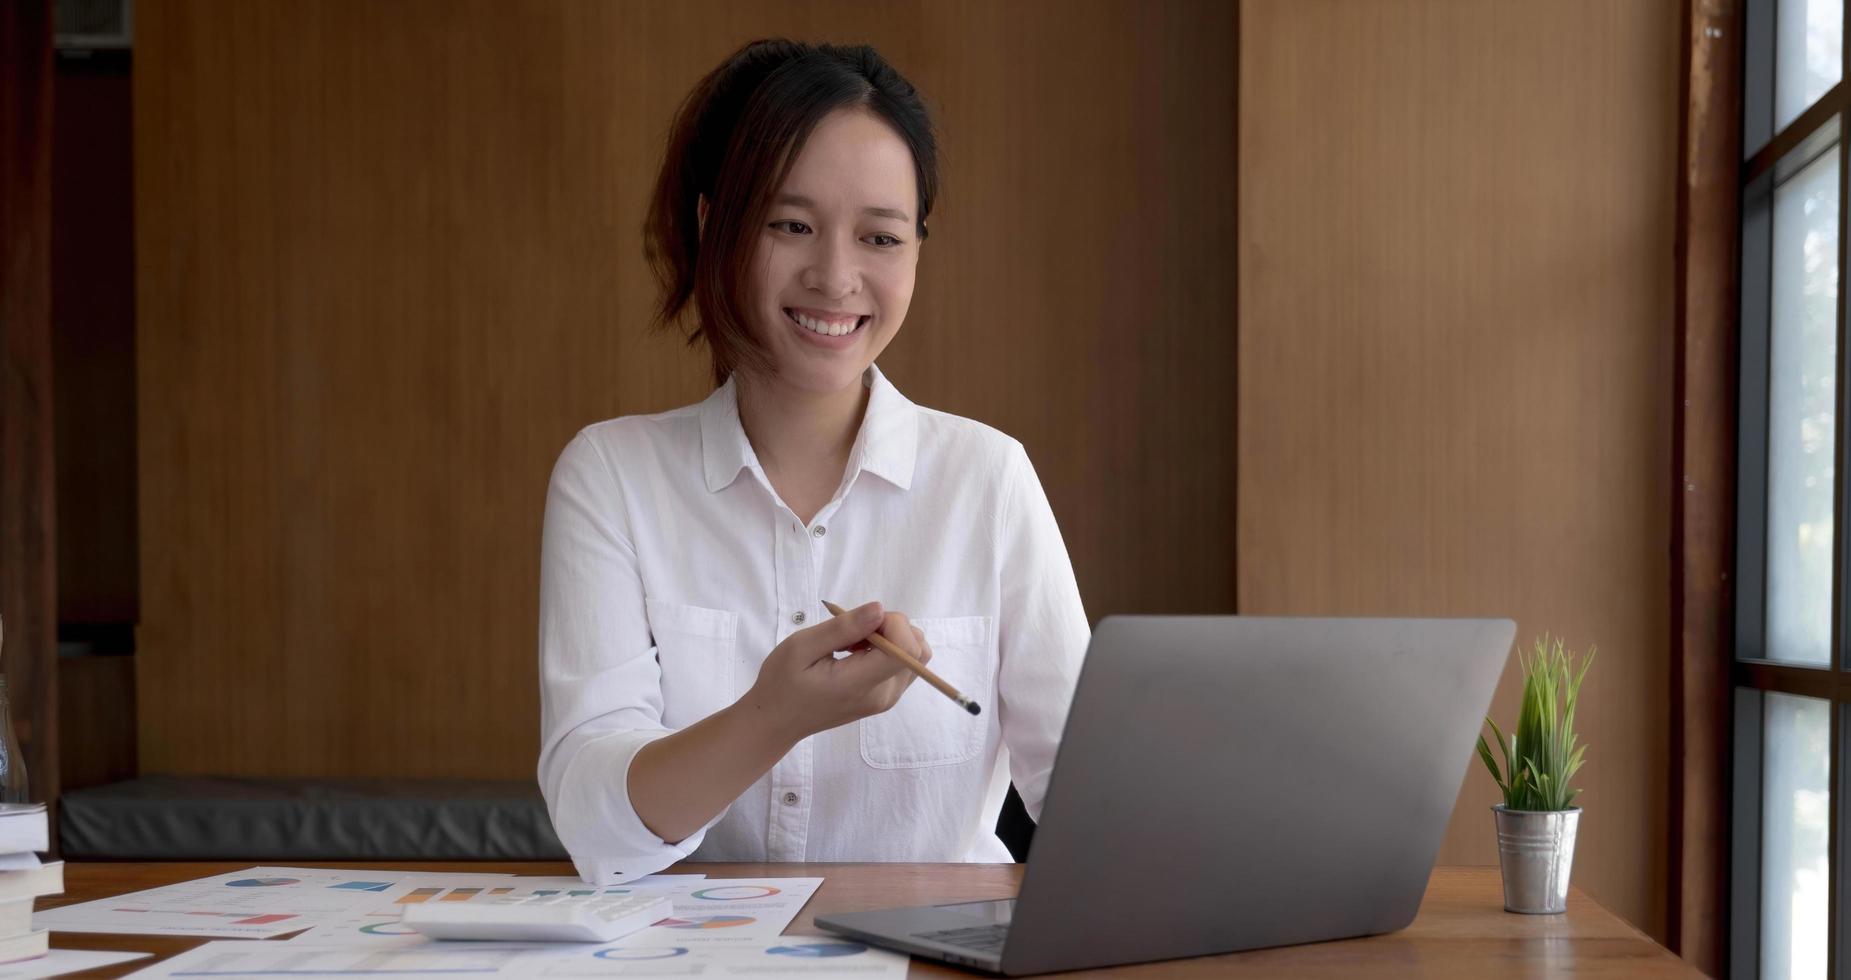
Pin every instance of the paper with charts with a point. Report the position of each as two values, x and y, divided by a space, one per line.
258 903
255 903
703 956
58 962
737 908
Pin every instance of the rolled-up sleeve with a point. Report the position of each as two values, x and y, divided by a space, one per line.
600 683
1042 631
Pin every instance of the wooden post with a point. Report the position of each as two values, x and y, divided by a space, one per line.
1703 461
28 571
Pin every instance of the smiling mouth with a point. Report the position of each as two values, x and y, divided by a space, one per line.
826 328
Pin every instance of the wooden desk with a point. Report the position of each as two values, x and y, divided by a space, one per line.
1462 930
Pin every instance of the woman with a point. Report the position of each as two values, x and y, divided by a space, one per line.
692 701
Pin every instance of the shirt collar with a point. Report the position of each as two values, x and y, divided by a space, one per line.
887 445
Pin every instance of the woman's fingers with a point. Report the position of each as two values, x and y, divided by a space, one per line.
848 631
868 670
900 631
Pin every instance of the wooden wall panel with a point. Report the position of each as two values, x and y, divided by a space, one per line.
1455 355
388 261
1708 305
93 339
28 508
96 720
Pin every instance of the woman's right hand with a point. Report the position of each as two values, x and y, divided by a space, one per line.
679 782
803 689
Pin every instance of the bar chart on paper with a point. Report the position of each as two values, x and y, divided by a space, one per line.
256 903
627 959
745 909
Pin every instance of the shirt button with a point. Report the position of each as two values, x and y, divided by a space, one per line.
790 799
820 530
797 617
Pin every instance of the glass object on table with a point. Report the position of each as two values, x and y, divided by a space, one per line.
13 786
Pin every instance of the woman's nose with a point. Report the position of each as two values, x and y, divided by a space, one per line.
832 271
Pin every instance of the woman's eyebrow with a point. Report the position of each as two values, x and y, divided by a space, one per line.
799 201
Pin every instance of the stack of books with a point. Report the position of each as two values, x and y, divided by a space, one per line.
24 831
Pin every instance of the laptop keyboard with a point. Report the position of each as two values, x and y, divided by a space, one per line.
984 939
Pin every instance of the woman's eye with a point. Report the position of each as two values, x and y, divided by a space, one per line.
794 227
885 241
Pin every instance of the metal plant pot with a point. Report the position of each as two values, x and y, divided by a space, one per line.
1537 850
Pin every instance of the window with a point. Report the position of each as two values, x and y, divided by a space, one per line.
1791 672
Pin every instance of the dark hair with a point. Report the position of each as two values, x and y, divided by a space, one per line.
733 142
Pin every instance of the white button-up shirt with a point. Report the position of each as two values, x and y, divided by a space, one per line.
670 569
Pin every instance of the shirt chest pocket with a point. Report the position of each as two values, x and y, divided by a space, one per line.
927 728
694 646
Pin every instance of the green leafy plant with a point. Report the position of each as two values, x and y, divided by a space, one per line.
1541 756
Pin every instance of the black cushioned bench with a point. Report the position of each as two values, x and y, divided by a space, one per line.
212 818
173 818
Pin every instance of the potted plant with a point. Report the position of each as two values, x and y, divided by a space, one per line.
1537 820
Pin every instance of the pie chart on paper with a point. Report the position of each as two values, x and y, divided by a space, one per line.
707 921
818 950
392 928
640 953
734 893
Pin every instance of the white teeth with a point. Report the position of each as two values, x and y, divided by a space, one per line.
827 329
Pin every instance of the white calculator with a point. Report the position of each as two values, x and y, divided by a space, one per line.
574 916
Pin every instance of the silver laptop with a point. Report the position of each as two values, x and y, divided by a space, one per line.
1229 783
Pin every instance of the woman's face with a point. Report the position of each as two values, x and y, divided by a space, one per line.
832 275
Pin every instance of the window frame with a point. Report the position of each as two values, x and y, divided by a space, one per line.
1775 157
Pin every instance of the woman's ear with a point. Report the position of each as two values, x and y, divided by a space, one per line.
700 216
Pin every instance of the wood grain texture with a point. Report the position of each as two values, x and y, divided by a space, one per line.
389 260
93 339
1703 481
28 511
96 720
1461 931
1456 355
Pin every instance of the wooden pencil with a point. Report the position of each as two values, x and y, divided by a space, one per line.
912 663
